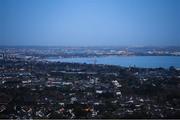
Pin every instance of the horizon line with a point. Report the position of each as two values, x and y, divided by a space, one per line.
89 46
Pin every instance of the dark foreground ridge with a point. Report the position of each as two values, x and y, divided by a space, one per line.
39 89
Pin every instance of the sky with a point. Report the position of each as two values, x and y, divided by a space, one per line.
90 22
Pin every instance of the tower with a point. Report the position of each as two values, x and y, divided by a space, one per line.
95 61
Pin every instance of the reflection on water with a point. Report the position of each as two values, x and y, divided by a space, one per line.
138 61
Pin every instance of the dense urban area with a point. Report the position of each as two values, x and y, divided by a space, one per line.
31 87
44 52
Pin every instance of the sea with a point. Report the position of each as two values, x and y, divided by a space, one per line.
125 61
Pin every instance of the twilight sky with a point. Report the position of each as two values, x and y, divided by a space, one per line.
90 22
